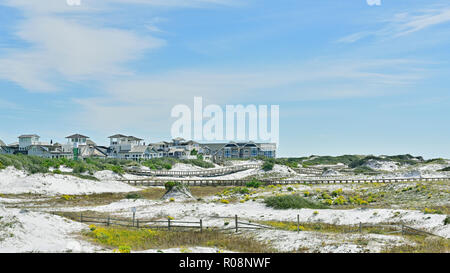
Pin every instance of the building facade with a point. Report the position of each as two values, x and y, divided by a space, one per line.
242 150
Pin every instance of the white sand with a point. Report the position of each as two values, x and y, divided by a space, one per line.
36 231
14 181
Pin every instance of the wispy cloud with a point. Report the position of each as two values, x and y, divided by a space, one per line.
73 48
402 24
151 97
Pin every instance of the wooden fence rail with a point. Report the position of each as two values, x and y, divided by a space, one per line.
173 225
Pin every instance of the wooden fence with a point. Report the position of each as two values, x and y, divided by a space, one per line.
158 182
202 173
168 224
173 225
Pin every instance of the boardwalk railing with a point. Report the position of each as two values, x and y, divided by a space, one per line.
159 182
201 173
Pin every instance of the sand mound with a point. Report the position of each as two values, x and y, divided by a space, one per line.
178 192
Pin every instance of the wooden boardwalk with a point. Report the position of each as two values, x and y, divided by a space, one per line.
159 182
201 173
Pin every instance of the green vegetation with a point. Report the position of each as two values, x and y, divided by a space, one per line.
141 239
436 161
254 183
268 165
330 160
445 169
292 202
402 159
34 164
170 185
364 170
160 163
422 245
133 196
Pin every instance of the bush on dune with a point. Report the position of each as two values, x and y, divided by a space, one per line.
34 164
292 202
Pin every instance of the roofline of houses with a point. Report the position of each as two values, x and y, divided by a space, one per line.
123 148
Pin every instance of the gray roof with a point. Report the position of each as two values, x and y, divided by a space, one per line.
134 138
124 136
136 149
28 136
118 136
77 136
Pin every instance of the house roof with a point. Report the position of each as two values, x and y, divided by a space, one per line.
90 142
2 143
124 136
118 136
134 138
77 136
135 149
28 136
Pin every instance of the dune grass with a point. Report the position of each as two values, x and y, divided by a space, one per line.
422 244
142 239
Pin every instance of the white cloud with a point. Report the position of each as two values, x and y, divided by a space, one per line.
69 50
402 24
147 100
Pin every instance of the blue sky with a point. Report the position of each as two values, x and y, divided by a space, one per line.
350 78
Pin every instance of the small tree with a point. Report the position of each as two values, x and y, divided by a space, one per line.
268 165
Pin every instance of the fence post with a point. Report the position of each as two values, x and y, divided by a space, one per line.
81 217
137 223
403 229
360 227
168 223
201 225
236 221
109 220
298 223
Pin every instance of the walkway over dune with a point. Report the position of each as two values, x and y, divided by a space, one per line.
201 173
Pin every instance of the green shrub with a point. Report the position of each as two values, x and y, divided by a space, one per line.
199 162
133 196
116 169
254 184
292 202
241 190
57 171
447 220
169 185
268 165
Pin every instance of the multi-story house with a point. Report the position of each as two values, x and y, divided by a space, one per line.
177 148
130 148
220 151
84 147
